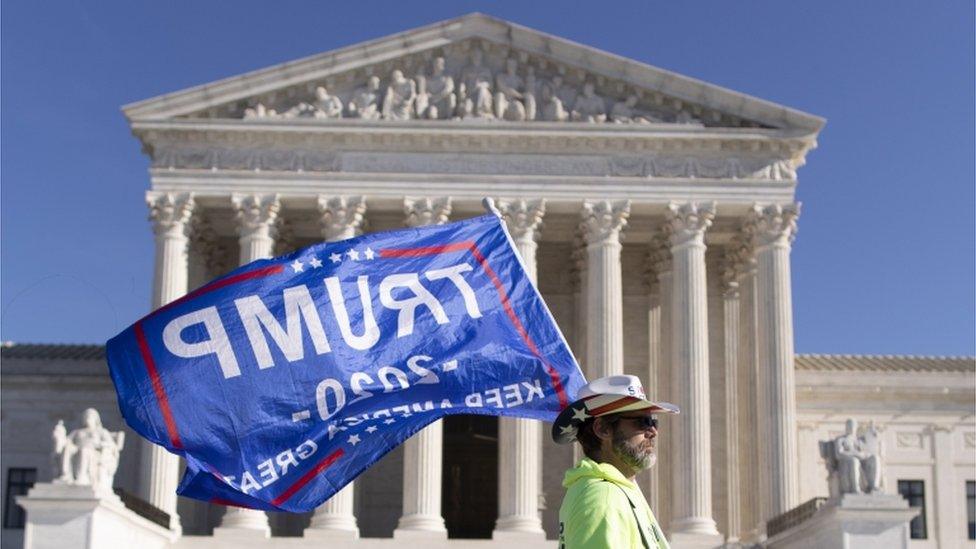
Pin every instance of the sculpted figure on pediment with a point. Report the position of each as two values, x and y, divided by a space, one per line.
421 104
400 96
324 106
327 105
474 95
260 111
552 108
440 90
365 101
511 97
566 94
626 112
589 107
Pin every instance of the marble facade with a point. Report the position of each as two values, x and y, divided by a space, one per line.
657 213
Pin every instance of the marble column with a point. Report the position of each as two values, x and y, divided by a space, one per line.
731 312
753 472
602 222
257 227
773 229
519 440
661 258
578 266
692 491
170 214
651 478
423 453
341 217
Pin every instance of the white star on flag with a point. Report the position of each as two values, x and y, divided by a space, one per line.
567 430
298 266
353 255
580 414
354 440
335 258
389 421
371 429
369 253
315 262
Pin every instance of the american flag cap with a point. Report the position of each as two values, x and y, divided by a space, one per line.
600 397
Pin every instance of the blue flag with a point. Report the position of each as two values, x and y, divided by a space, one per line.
283 380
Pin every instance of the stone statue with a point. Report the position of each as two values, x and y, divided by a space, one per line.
589 107
625 112
871 462
853 463
531 93
260 111
552 107
400 96
440 88
566 94
509 100
326 105
421 104
365 102
474 95
89 455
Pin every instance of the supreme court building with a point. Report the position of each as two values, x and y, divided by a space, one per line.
657 213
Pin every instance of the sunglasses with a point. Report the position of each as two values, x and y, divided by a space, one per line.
643 422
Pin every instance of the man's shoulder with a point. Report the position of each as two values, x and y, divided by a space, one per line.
591 494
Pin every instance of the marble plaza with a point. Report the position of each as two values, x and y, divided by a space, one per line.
657 213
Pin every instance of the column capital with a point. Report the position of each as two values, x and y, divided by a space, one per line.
523 217
341 216
603 220
773 224
257 214
689 221
426 210
170 213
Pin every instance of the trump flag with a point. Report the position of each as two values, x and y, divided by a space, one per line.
283 380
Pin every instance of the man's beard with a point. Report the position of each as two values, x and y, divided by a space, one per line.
636 455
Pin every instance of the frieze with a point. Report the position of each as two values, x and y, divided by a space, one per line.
660 165
473 80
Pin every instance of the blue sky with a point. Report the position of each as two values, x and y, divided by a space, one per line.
884 259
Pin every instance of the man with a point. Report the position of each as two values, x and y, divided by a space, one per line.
604 508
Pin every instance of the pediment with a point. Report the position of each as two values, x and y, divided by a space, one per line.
474 68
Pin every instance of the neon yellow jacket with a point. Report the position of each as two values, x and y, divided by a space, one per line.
597 512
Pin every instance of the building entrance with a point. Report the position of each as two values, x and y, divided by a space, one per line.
470 488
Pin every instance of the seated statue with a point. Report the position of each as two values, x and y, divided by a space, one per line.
853 463
552 108
474 95
327 105
400 96
89 455
589 107
365 101
509 97
440 89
